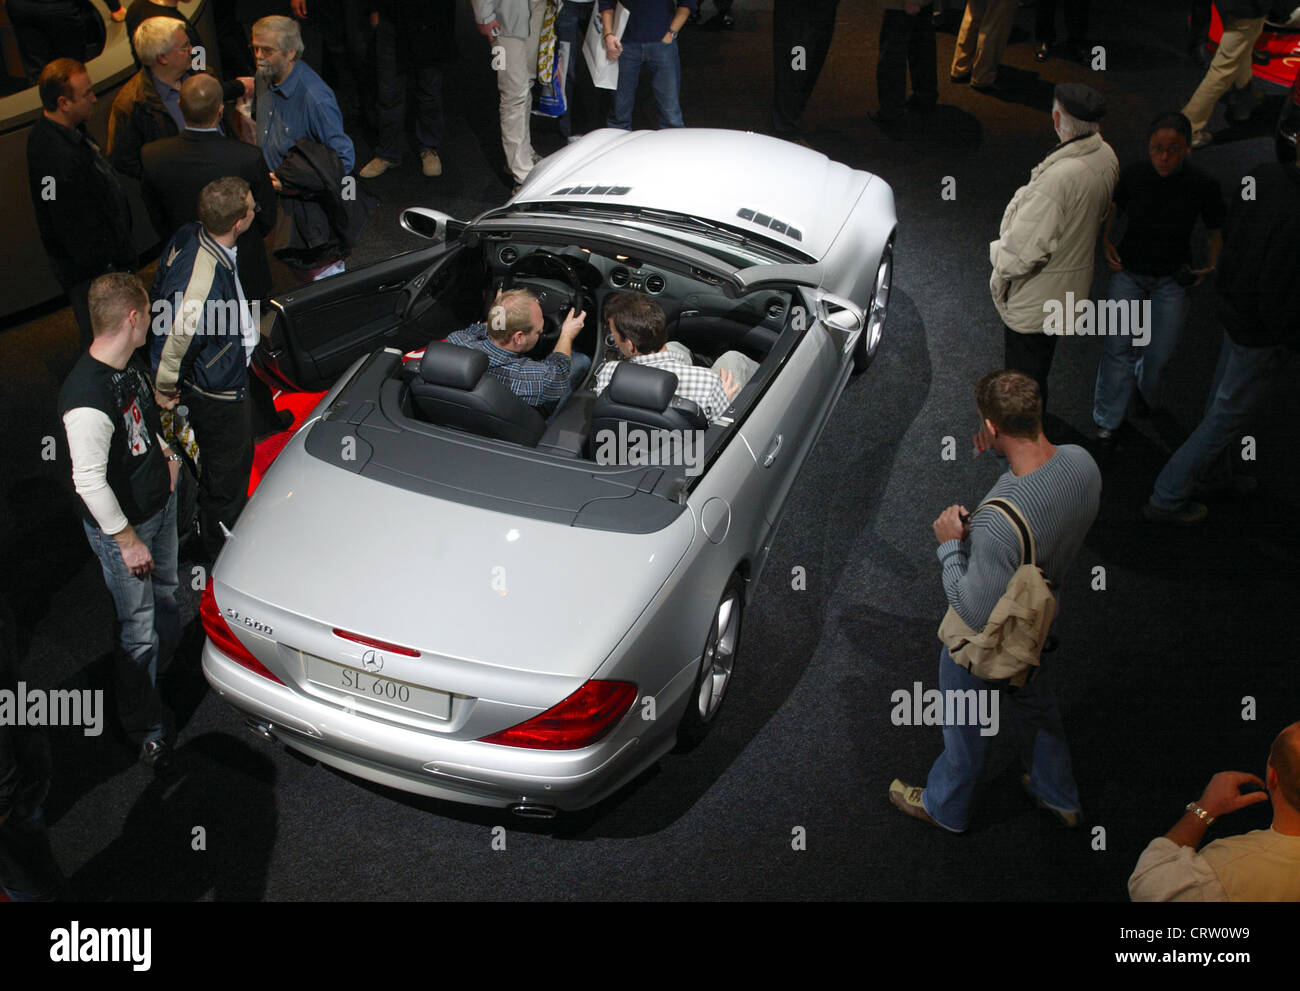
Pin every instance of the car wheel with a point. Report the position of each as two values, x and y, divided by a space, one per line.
717 665
869 340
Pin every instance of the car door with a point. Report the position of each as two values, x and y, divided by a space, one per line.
782 430
320 329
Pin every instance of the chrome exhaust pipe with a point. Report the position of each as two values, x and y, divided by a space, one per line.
259 727
527 810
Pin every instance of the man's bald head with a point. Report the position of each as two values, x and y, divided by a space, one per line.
201 100
1284 759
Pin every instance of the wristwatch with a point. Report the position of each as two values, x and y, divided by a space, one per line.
1199 812
673 33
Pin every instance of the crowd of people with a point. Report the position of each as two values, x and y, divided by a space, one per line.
223 166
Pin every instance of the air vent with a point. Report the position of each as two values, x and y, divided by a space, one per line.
771 223
618 278
655 284
509 255
597 190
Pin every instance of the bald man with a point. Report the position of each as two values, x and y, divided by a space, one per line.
176 169
1263 865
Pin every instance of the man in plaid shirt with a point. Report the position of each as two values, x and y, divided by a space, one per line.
640 331
514 325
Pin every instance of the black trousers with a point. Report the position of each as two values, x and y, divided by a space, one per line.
224 434
79 299
1198 23
1076 20
1031 354
907 43
801 39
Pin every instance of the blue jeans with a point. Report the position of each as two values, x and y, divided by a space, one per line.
148 619
1123 363
571 25
1031 714
390 102
1240 386
665 77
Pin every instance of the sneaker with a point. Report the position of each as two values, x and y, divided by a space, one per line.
1191 514
156 755
1104 446
376 167
907 798
1067 819
1201 138
430 163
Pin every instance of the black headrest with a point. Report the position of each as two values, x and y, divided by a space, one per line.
642 385
642 398
455 389
452 366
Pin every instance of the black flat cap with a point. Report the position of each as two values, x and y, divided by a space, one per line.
1080 101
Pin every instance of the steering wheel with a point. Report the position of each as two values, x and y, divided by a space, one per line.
554 280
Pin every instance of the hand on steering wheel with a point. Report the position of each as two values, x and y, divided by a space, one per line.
554 304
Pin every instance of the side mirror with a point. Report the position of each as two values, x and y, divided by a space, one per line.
840 313
427 223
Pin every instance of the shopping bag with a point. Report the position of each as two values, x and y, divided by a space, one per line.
604 73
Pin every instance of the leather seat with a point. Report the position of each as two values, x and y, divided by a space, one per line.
453 388
644 399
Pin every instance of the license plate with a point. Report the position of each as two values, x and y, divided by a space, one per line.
385 691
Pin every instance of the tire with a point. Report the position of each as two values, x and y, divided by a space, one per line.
717 666
862 354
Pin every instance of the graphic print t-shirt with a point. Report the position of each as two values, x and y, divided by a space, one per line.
137 471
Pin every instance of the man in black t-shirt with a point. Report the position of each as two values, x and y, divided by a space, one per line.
1161 200
126 477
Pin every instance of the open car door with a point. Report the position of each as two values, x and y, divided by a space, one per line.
404 302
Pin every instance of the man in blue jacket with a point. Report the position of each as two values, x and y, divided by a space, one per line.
205 334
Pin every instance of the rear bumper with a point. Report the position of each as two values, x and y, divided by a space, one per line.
426 764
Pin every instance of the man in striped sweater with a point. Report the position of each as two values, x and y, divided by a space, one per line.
1057 489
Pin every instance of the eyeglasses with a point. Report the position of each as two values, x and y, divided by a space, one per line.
263 49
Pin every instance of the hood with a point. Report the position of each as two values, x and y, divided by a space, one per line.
782 191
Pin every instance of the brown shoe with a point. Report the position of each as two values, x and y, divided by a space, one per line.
907 798
376 167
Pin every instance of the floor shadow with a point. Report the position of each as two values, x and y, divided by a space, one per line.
184 839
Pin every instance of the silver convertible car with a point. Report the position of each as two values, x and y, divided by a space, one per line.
437 589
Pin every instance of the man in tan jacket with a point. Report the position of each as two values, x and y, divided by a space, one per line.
1042 259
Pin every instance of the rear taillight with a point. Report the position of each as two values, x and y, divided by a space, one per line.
580 720
224 639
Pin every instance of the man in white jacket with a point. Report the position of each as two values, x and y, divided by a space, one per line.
1042 259
514 28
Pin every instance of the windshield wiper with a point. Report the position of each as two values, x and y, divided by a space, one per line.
682 220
